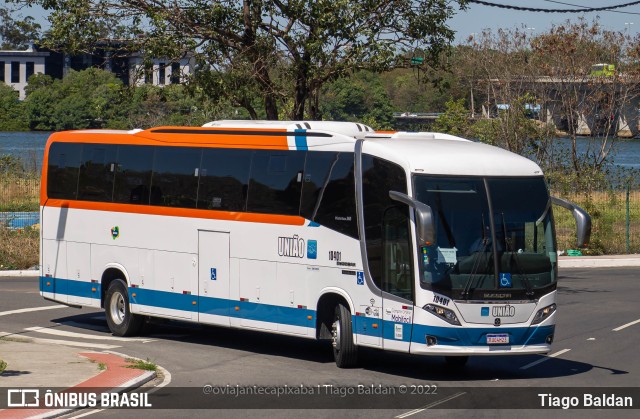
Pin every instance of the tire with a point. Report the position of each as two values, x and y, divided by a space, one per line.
456 361
119 317
345 351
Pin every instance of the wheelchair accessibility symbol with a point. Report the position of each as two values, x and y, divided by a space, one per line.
360 278
505 280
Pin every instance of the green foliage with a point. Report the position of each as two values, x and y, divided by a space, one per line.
16 33
12 116
361 98
454 120
272 50
3 366
86 99
141 364
148 106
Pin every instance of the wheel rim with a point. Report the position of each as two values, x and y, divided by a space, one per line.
335 332
117 308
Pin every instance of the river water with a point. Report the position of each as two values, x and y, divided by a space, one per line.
30 146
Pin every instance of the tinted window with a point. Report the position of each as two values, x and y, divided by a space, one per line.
15 72
276 180
29 69
96 172
378 178
2 71
62 175
133 176
328 191
175 182
224 179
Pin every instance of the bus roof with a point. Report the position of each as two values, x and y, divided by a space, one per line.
420 152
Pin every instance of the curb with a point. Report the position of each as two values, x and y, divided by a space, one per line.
116 378
599 262
26 273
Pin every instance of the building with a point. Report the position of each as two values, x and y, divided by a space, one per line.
131 69
17 66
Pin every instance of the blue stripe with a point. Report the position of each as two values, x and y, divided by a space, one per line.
364 326
164 299
313 224
454 336
459 336
70 287
301 140
185 302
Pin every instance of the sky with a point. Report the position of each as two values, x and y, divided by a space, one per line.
478 17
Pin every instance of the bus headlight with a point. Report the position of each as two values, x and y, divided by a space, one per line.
444 313
543 313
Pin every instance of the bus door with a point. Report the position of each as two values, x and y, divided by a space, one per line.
213 277
397 279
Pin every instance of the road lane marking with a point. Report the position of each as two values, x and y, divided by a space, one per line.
546 358
57 332
624 326
28 310
28 339
429 406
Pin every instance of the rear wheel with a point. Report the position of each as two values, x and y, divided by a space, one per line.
119 317
345 351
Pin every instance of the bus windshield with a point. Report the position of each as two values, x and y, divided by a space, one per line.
494 237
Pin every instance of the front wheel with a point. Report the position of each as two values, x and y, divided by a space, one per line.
345 351
119 317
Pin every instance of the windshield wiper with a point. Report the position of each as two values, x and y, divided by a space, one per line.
466 291
514 255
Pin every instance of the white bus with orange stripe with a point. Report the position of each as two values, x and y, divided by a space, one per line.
414 242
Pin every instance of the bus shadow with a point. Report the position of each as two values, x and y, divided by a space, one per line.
434 368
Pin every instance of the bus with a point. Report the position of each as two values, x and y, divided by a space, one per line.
422 243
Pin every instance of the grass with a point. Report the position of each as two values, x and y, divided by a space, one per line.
19 193
3 366
102 366
19 248
609 222
141 365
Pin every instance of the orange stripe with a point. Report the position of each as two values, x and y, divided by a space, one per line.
269 142
179 212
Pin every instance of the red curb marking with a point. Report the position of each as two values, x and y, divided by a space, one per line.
115 375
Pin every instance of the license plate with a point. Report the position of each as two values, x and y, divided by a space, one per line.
498 339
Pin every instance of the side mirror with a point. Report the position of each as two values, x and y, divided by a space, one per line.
583 220
425 221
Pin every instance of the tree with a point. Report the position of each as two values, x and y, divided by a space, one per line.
553 70
454 120
90 98
361 98
278 51
17 33
11 110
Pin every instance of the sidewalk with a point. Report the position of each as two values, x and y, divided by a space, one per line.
56 367
606 261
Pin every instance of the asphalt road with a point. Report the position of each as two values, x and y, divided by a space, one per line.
587 352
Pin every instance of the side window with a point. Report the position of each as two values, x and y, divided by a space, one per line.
133 174
97 169
276 182
174 182
62 172
328 192
378 178
224 179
